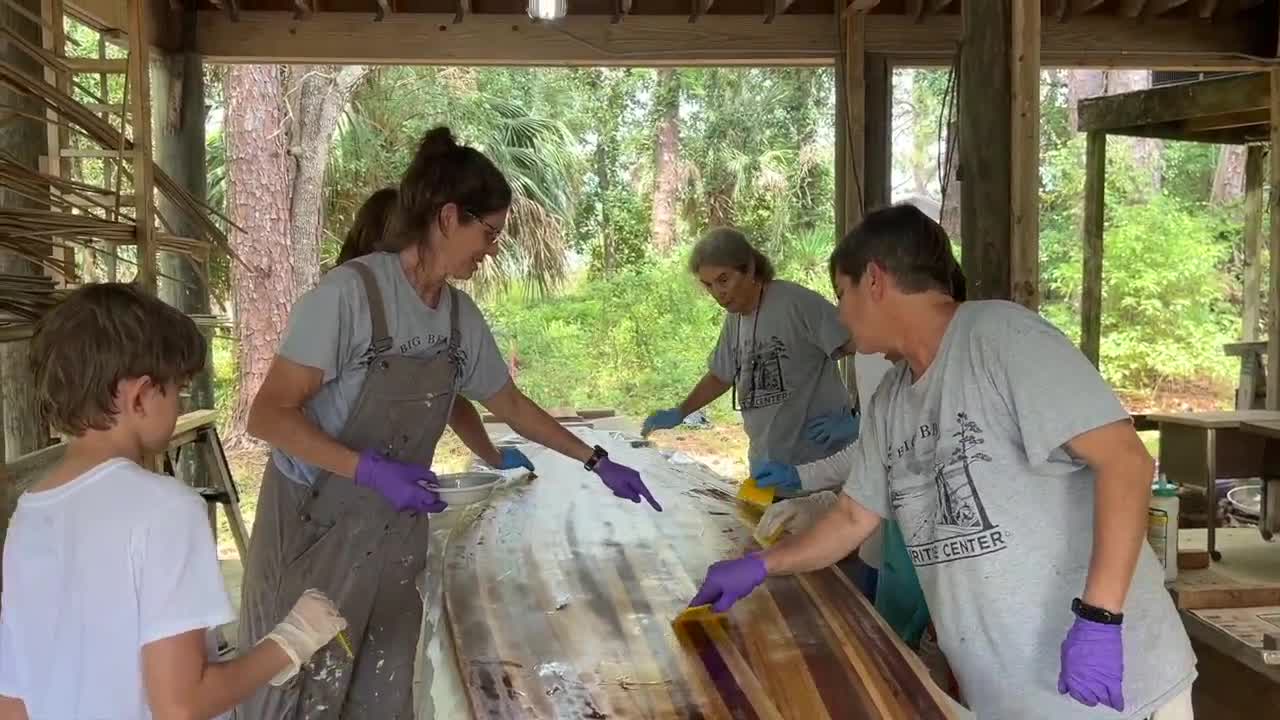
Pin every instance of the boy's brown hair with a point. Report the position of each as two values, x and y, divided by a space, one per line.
99 335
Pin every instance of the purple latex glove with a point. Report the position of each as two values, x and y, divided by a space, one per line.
624 482
728 581
404 485
1093 664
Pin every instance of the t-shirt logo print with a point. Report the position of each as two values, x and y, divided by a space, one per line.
766 385
945 520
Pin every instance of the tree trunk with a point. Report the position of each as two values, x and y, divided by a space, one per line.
604 181
1147 152
258 200
316 96
1228 176
1082 84
666 169
178 115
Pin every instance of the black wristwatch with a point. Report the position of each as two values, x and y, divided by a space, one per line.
1085 611
597 454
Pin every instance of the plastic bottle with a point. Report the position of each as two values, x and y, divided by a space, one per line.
1162 526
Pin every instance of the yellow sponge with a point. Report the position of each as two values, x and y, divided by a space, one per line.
698 613
754 494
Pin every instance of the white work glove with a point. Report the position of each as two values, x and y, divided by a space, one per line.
794 516
309 626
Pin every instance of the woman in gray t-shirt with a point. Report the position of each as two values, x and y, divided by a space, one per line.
777 354
354 404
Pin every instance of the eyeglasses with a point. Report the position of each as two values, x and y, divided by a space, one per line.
496 234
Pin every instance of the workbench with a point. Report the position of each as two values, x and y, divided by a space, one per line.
1198 449
1236 678
558 600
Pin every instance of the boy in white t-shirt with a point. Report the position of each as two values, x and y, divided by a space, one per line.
111 577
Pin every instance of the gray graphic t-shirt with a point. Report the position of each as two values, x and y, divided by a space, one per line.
785 370
329 329
998 516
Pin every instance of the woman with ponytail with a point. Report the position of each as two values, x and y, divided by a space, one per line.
357 398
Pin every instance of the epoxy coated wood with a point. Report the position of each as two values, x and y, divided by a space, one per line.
560 598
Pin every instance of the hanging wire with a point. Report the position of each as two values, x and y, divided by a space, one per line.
946 121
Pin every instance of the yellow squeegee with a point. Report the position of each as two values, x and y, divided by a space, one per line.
698 613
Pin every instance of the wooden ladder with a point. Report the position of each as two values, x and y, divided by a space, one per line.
198 431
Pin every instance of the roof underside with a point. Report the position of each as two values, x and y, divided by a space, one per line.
1202 34
1234 110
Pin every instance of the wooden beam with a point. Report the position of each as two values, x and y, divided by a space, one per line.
986 114
384 9
1170 103
53 41
1273 299
143 170
97 65
657 40
302 10
1068 9
1024 68
112 18
462 8
1253 173
877 187
621 8
1095 198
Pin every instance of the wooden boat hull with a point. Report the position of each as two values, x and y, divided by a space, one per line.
560 598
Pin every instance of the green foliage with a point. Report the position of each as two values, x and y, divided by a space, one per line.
1164 313
635 340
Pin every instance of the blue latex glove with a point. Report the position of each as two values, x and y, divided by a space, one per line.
777 475
728 581
1093 664
662 420
624 482
404 485
512 458
834 430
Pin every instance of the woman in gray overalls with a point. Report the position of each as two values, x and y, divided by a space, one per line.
353 405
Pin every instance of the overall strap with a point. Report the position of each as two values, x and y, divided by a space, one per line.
379 337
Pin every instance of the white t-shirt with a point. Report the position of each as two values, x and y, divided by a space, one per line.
94 570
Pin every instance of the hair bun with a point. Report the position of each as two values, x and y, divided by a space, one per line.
437 141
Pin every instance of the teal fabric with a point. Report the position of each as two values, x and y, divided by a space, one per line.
899 598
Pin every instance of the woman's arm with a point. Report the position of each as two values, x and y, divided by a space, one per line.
525 417
703 394
276 418
12 709
469 427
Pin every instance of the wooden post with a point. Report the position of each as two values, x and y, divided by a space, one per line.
1024 69
53 39
1273 322
986 139
877 189
852 67
1095 169
1253 174
851 123
140 115
179 114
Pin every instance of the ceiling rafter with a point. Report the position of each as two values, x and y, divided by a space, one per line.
1068 9
303 9
384 9
776 8
460 11
232 8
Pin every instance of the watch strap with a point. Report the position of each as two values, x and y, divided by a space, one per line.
1085 611
597 454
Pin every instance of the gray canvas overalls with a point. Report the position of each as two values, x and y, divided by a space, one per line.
348 542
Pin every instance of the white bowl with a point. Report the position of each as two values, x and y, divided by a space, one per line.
465 488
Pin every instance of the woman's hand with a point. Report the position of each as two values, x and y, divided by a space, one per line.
624 482
405 485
